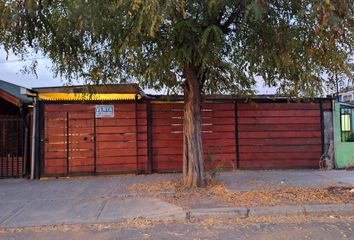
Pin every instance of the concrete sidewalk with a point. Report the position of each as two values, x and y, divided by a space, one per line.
26 203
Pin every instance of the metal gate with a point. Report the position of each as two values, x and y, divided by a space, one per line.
11 147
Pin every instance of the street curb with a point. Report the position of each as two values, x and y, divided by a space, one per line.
271 211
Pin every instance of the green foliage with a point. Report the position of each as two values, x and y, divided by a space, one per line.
296 45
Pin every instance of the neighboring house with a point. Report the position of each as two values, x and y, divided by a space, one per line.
15 108
343 115
346 94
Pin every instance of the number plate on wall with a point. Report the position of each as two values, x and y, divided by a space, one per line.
104 111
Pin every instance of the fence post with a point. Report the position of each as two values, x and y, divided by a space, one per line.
236 135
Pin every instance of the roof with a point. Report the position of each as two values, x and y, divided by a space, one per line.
90 92
14 93
347 89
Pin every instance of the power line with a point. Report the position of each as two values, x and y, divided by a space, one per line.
23 60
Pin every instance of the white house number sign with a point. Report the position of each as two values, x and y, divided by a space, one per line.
104 111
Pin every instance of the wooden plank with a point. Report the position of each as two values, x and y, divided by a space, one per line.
55 124
167 166
112 122
280 141
120 137
56 155
120 160
205 135
48 171
55 131
206 143
277 106
277 120
81 169
280 113
54 147
125 129
179 158
55 163
218 114
83 153
115 168
120 145
281 164
281 156
280 149
119 152
281 127
55 139
288 134
327 106
179 151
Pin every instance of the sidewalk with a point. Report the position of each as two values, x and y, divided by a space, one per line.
26 203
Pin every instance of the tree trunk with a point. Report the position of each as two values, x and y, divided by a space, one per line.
193 164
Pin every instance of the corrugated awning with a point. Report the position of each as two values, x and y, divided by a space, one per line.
87 96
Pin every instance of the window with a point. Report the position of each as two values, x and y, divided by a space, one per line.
346 124
347 98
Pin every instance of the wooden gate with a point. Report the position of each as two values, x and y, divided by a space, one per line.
11 147
78 143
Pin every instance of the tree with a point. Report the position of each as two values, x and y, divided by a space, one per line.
195 46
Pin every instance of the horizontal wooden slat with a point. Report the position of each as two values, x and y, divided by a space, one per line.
280 149
280 141
274 156
281 164
206 143
81 169
55 163
124 129
120 137
287 134
277 106
281 127
120 152
280 113
120 145
276 120
116 168
120 160
119 122
55 170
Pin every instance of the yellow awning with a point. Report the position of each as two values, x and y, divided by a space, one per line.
87 96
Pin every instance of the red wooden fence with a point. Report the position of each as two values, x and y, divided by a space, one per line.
149 136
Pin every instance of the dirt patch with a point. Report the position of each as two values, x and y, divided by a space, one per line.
216 195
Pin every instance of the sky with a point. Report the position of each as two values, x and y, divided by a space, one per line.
10 71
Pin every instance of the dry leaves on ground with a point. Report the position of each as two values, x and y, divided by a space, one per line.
266 197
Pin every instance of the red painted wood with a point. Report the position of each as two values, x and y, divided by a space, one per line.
120 145
280 113
327 106
112 122
277 120
310 134
280 149
281 164
120 160
278 106
274 156
280 141
119 168
119 152
281 127
58 170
